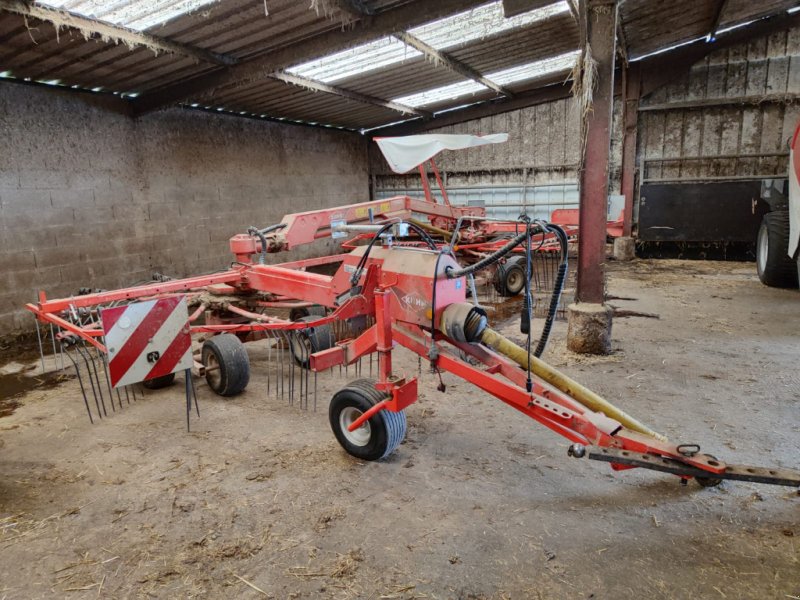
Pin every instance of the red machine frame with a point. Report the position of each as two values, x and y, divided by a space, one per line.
394 287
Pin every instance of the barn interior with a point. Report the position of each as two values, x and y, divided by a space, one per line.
629 250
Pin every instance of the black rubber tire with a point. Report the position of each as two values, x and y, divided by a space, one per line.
315 339
228 353
707 482
386 429
509 278
773 264
159 382
296 314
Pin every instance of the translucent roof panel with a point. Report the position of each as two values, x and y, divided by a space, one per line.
441 94
479 23
535 69
510 76
368 57
133 14
445 33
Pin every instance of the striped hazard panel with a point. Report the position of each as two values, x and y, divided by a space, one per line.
146 340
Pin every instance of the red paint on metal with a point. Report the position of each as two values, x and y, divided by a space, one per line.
601 35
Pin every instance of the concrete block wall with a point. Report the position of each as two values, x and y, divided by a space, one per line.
90 197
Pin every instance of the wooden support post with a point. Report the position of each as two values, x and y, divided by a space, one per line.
600 22
630 110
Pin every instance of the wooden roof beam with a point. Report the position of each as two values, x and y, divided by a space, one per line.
318 86
450 62
721 5
362 31
112 33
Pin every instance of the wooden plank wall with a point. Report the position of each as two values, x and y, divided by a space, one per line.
748 108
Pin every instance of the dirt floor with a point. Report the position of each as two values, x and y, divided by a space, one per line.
479 502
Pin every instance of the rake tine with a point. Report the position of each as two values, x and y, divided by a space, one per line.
80 381
269 358
188 400
61 349
194 392
300 368
91 381
307 372
108 380
97 379
39 338
53 339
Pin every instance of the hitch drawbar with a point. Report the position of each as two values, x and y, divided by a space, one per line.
616 456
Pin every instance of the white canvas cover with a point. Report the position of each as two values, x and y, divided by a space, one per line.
406 153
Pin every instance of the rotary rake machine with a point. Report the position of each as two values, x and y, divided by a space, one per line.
367 302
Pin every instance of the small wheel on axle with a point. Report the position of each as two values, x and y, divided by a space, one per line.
226 363
376 438
159 382
509 279
707 482
304 342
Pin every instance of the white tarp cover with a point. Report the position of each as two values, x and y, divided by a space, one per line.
406 153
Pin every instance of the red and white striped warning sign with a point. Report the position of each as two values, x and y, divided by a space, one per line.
146 340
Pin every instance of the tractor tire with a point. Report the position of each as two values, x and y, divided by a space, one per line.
227 364
509 279
775 267
377 438
304 342
159 382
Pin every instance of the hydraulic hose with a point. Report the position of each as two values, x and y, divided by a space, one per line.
489 260
558 288
261 235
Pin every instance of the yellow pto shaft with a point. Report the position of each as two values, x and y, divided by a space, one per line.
563 383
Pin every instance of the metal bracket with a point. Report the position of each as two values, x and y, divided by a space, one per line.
786 477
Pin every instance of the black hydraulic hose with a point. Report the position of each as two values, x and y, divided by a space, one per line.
489 260
261 235
558 288
422 233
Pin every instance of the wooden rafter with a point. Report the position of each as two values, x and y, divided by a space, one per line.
721 5
113 33
318 86
450 62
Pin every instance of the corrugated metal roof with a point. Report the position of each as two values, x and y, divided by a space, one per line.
518 53
133 14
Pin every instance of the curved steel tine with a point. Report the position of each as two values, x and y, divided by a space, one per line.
269 358
53 339
39 338
80 381
91 381
108 380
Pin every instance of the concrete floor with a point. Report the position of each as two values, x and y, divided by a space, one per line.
260 501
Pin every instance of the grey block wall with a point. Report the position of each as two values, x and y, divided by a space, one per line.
90 197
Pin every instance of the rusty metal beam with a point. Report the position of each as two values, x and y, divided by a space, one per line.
112 33
600 17
630 110
318 86
362 31
451 63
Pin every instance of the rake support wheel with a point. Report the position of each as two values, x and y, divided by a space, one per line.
227 364
379 436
